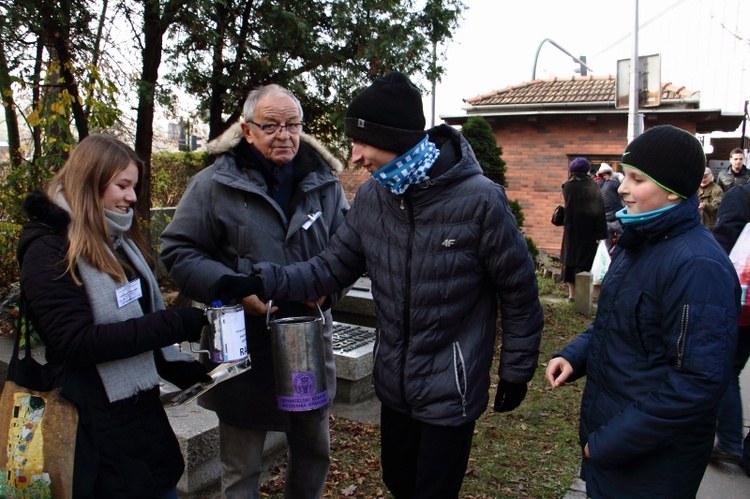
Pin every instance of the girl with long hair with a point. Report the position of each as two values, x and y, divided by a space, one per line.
89 290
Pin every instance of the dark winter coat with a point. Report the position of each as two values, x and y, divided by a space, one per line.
226 222
585 222
125 449
733 214
439 258
610 197
728 178
657 359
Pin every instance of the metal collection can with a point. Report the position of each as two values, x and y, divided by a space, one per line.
299 361
227 337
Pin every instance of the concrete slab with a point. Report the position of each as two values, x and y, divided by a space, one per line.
724 480
359 299
584 286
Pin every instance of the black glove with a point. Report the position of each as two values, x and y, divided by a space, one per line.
192 319
181 373
509 395
230 287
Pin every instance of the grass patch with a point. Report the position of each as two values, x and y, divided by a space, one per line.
531 452
549 287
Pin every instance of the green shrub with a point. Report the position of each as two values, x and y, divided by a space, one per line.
533 250
515 207
9 234
478 132
170 174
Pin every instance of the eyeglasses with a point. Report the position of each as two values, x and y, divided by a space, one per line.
272 128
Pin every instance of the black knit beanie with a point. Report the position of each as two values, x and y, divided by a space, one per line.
670 156
388 114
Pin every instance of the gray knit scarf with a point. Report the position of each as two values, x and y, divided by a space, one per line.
122 378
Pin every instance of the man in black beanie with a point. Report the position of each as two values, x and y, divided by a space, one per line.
442 250
658 356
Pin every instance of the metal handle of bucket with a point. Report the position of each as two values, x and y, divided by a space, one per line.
191 343
198 351
270 304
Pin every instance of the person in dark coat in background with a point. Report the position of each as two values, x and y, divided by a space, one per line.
612 202
91 294
658 356
585 222
736 173
443 251
709 196
733 215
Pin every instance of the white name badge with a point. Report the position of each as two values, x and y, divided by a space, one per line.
311 218
129 292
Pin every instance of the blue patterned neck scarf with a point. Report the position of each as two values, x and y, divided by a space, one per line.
409 168
627 219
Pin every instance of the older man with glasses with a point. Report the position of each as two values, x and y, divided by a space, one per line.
272 194
709 197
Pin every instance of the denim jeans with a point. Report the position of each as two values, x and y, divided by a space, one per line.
241 454
729 429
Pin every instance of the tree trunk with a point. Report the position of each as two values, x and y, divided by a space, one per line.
11 119
155 24
216 124
58 29
144 129
96 52
36 99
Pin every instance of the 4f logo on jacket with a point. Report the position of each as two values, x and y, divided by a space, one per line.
448 243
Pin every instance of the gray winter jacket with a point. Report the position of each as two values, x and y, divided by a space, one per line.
439 258
225 223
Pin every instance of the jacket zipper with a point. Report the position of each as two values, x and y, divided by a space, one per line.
460 367
407 301
683 333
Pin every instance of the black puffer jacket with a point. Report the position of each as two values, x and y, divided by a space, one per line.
125 449
439 258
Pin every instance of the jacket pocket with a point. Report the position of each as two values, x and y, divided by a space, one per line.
645 323
703 340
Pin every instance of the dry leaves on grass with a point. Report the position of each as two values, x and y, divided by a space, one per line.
355 464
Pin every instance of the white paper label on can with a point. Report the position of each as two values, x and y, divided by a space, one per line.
233 331
232 340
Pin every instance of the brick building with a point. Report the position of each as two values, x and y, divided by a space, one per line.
543 124
351 179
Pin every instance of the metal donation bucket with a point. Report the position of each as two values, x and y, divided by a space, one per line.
227 338
299 361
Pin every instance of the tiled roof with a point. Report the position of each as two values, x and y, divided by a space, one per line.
558 90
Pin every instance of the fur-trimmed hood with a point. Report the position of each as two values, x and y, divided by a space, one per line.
44 218
40 209
232 136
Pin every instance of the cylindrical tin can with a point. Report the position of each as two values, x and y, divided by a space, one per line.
299 362
227 337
